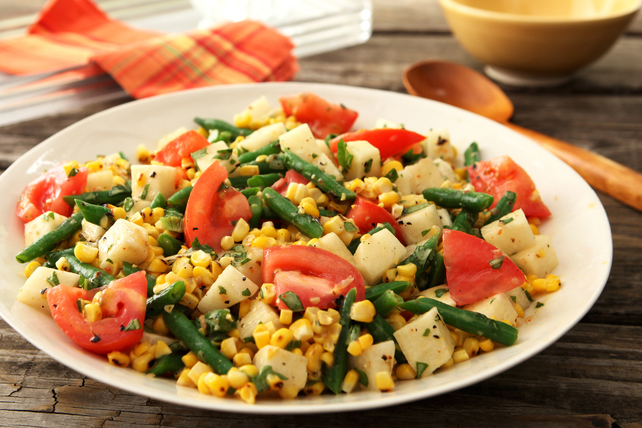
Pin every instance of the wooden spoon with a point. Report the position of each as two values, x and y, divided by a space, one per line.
463 87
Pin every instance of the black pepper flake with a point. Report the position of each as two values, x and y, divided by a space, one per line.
244 278
227 302
400 222
95 339
441 141
195 228
435 336
153 174
55 306
409 224
43 291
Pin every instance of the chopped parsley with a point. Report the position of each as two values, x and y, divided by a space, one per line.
497 263
343 156
145 191
368 166
440 292
246 292
421 368
133 325
292 301
539 305
350 227
505 222
221 290
53 279
514 299
363 377
224 154
392 175
426 332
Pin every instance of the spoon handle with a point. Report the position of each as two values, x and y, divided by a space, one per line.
617 181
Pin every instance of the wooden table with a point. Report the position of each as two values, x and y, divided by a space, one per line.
591 377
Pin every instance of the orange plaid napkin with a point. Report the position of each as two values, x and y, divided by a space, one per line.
72 33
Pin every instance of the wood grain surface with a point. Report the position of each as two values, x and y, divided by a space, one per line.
592 377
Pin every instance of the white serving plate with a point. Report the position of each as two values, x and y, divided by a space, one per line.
579 228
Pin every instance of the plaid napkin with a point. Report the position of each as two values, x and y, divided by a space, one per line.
72 33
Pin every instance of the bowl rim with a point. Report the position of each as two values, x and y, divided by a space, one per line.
534 19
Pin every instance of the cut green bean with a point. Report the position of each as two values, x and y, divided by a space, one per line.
382 331
275 166
159 201
129 269
464 221
271 149
324 181
327 213
503 207
250 191
288 212
397 287
94 213
186 331
221 125
264 180
436 272
387 302
98 277
239 182
114 196
472 155
48 242
168 296
333 376
423 258
468 321
171 363
179 199
256 206
452 198
169 244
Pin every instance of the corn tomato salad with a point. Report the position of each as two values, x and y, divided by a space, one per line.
288 253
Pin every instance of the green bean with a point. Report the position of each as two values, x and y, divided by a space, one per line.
327 213
171 363
333 376
256 206
271 149
114 196
97 276
168 296
355 242
503 207
374 292
436 272
169 244
472 155
179 199
250 191
239 182
452 198
221 125
129 269
264 180
274 166
159 201
387 302
48 242
184 330
324 181
288 212
422 257
93 213
464 222
268 213
382 331
468 321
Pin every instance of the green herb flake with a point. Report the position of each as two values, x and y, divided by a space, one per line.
368 166
128 204
292 301
528 295
421 368
440 292
49 216
199 153
497 263
424 232
426 332
350 227
392 175
221 290
80 303
492 300
539 305
343 156
260 380
133 325
514 299
314 155
224 154
363 377
246 292
414 208
122 156
145 191
73 172
53 279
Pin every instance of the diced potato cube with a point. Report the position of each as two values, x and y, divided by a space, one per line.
220 152
517 295
262 137
440 293
511 233
258 109
252 268
323 148
499 307
92 232
331 242
150 180
102 180
41 225
539 260
285 363
437 145
123 242
446 169
366 161
414 225
138 206
376 254
426 340
403 182
301 142
259 313
170 137
230 288
34 291
374 359
423 175
326 165
444 216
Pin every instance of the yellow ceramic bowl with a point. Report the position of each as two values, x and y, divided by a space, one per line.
537 42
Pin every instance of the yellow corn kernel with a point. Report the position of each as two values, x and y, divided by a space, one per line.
261 338
405 372
237 378
355 349
382 185
227 242
63 264
301 329
334 225
241 359
396 321
92 312
201 258
356 185
282 235
534 228
409 269
184 379
189 300
261 158
261 242
158 325
267 293
189 359
553 283
31 267
310 208
137 219
404 278
539 285
389 166
328 358
229 347
157 266
350 381
203 275
289 392
218 385
285 317
70 166
162 349
447 364
519 310
118 181
249 369
388 199
314 389
119 213
365 341
141 363
297 351
183 184
247 393
281 338
311 313
460 355
322 200
118 359
486 345
201 385
198 370
240 230
389 275
183 268
363 311
313 355
244 308
471 346
384 382
249 170
142 154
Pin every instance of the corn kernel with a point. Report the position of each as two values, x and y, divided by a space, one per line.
217 385
382 185
334 225
519 310
269 231
261 338
363 311
301 329
118 359
405 372
539 285
249 369
289 392
142 154
553 283
283 235
356 185
281 338
534 228
328 358
350 381
384 382
261 242
285 317
267 293
365 341
486 345
314 389
409 270
313 355
355 349
389 275
63 264
389 166
388 199
204 275
229 347
247 393
201 258
241 359
141 363
249 170
396 321
92 312
471 346
184 379
240 230
460 355
190 359
30 268
237 378
310 208
158 266
198 370
158 325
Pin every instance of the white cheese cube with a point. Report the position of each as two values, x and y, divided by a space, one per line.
123 242
252 268
230 287
262 137
102 180
446 169
220 152
374 359
377 254
426 340
301 142
440 293
498 307
41 225
384 123
285 363
423 175
414 225
170 137
539 260
366 161
92 232
517 295
444 216
511 233
34 292
437 145
259 313
331 242
150 180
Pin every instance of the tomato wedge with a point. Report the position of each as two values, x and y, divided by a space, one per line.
45 193
500 174
291 176
316 276
122 302
181 147
323 117
475 269
367 214
390 142
209 213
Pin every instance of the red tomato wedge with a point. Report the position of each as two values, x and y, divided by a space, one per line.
291 176
209 213
181 147
367 214
323 117
45 193
500 174
316 276
390 142
469 271
123 301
